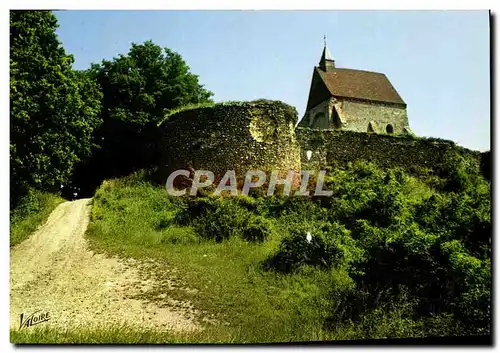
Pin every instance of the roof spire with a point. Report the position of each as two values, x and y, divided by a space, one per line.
326 63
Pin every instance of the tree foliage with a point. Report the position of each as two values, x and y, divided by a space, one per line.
147 82
83 126
54 110
138 88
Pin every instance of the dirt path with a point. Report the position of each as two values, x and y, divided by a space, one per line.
55 272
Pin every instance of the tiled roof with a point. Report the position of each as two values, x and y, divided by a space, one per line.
366 85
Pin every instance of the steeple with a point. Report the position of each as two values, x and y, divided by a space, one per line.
326 63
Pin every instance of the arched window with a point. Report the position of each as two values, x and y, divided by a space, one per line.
389 129
370 128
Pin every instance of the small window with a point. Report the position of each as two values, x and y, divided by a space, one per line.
370 128
389 129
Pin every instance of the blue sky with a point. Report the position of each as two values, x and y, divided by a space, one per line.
437 60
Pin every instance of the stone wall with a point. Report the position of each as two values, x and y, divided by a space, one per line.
231 136
337 148
356 115
319 116
262 135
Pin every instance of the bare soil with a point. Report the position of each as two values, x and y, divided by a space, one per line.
54 271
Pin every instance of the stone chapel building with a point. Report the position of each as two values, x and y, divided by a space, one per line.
355 100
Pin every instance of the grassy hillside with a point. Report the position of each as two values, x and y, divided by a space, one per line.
390 256
31 212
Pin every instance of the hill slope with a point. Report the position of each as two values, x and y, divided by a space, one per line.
55 272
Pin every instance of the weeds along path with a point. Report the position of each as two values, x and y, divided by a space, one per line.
54 271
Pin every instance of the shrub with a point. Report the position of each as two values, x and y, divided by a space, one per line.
32 210
247 202
213 217
222 223
442 275
257 229
461 173
461 217
330 245
396 236
279 206
31 203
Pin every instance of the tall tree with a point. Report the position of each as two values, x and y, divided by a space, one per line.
54 110
140 86
138 89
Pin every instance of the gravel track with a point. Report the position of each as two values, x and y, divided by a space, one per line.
54 271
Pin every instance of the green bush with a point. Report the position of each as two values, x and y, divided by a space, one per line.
442 275
257 229
221 218
222 223
290 207
32 210
31 203
461 173
396 236
330 246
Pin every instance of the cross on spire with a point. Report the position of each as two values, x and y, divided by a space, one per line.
326 63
